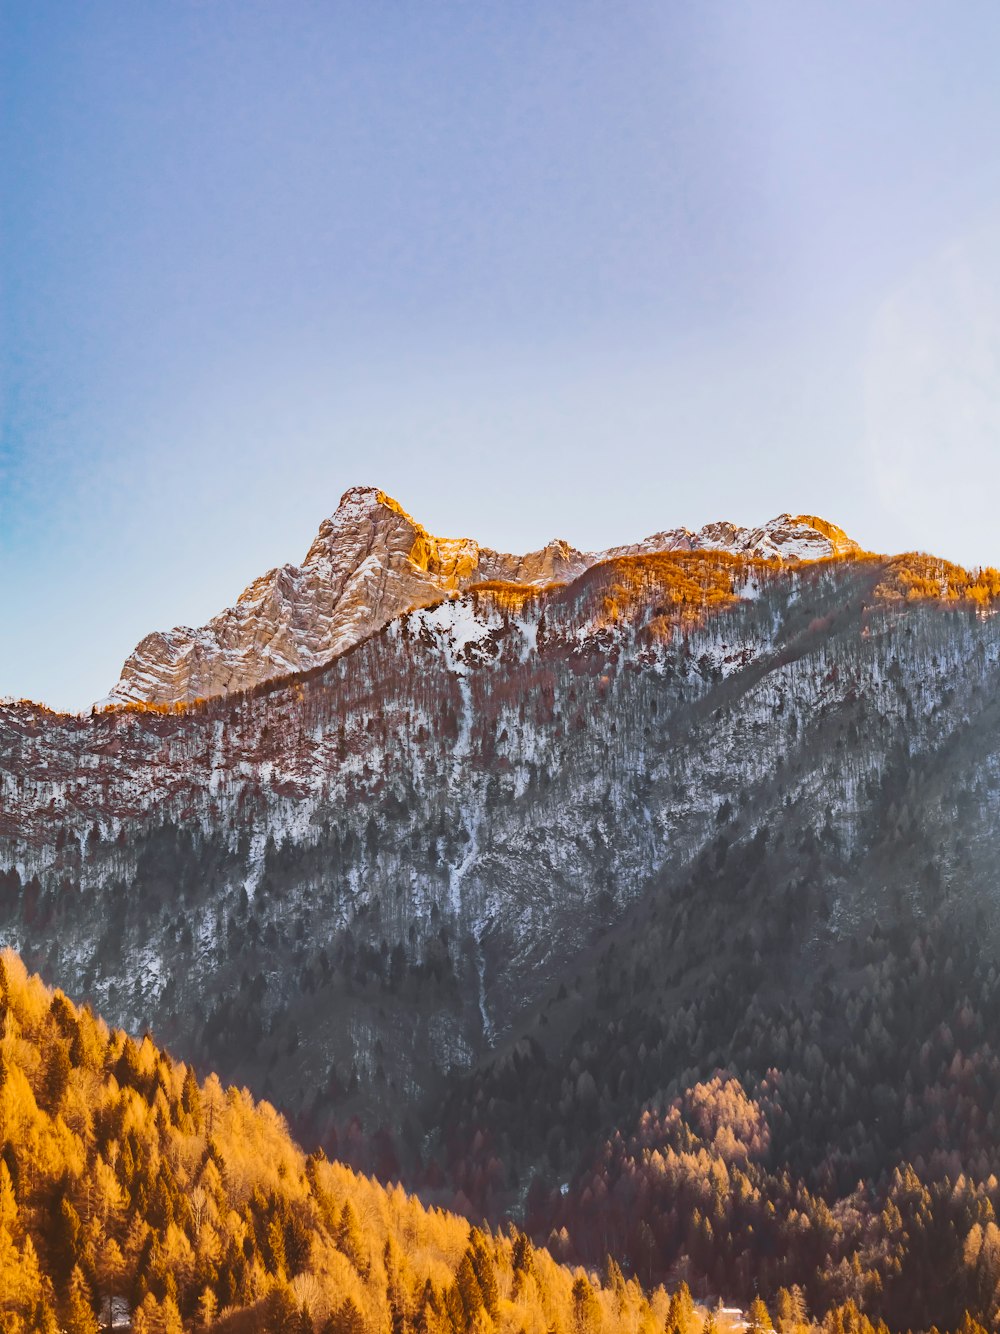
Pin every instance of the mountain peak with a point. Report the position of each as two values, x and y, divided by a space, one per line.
362 509
370 562
802 537
786 537
362 499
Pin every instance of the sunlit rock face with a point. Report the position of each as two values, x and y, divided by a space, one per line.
370 562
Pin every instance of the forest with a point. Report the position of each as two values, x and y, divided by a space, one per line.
840 1145
130 1190
126 1184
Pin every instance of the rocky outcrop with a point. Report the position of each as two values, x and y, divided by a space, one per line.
369 563
789 537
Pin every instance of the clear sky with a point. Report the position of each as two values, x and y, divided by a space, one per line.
540 268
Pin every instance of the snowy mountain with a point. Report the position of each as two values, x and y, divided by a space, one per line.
370 562
509 878
364 876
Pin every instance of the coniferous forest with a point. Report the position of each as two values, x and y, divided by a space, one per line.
128 1186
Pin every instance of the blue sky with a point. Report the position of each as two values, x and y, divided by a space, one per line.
537 269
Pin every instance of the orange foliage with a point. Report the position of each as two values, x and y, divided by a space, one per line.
505 597
666 590
917 577
124 1177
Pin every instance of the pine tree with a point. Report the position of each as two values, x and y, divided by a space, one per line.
78 1313
208 1305
681 1314
170 1316
347 1320
586 1308
758 1320
191 1098
482 1263
790 1310
351 1240
282 1311
65 1239
469 1289
524 1254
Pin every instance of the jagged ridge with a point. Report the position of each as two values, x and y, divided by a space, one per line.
369 563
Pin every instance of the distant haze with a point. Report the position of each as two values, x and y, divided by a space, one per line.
572 269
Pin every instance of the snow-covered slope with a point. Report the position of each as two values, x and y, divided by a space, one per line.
369 563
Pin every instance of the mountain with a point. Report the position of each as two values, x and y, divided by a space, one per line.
369 563
416 810
132 1189
517 874
365 876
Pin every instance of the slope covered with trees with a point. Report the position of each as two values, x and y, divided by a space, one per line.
132 1193
821 1100
126 1181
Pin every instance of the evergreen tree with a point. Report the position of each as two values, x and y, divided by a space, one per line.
586 1310
469 1289
78 1313
758 1320
347 1320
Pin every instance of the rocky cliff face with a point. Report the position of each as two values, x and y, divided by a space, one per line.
369 563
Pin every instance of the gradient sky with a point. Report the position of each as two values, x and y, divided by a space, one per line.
537 269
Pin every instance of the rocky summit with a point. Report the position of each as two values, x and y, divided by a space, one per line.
369 563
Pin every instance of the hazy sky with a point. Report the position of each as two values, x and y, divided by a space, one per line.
537 269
